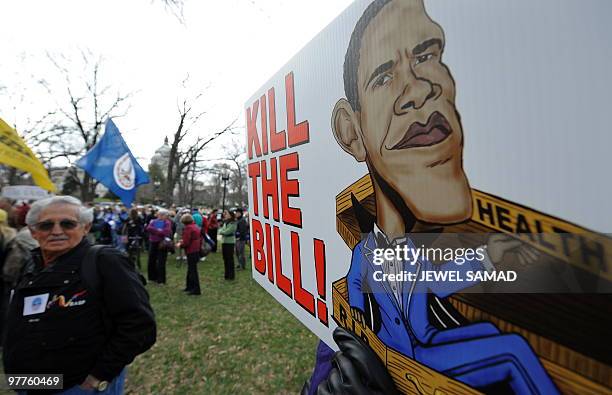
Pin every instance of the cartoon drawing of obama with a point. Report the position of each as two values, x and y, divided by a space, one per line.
400 118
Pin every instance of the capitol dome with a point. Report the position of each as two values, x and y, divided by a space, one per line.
162 155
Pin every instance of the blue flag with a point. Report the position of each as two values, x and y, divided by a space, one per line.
112 164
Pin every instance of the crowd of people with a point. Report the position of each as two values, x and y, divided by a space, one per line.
189 233
74 300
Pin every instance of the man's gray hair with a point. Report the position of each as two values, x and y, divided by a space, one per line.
85 214
163 211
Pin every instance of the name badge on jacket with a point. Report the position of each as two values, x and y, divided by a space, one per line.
36 304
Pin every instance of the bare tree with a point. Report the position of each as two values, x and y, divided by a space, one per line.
25 129
83 103
17 112
232 164
186 161
175 7
185 151
216 171
236 156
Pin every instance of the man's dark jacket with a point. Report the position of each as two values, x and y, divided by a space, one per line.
81 331
242 229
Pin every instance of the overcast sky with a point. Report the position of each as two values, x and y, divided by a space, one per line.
233 46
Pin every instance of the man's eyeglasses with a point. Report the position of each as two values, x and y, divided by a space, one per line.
47 226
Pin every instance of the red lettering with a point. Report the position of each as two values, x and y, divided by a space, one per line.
269 251
258 251
319 257
290 188
297 134
264 125
252 137
254 172
269 188
282 282
278 141
302 297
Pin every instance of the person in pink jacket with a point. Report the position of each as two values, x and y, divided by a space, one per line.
158 230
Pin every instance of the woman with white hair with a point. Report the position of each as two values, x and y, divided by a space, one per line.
159 230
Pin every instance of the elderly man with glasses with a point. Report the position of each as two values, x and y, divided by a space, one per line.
77 311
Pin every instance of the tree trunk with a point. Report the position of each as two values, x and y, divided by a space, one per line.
192 182
86 186
181 191
169 189
12 176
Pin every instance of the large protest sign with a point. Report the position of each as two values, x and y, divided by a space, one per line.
477 119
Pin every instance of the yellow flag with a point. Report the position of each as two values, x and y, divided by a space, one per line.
14 152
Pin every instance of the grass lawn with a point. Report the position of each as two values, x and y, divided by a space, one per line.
233 339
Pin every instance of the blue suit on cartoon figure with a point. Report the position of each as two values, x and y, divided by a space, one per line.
477 354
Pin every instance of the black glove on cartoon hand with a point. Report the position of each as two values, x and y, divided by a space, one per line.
356 370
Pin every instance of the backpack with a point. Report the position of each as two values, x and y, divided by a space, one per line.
90 276
89 270
205 248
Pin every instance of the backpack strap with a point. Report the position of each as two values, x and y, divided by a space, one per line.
89 270
90 276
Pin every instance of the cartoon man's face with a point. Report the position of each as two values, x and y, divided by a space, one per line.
407 128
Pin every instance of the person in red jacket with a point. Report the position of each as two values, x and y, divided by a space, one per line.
191 242
213 227
204 227
204 232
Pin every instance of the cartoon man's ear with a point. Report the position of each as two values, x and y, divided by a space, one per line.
347 130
